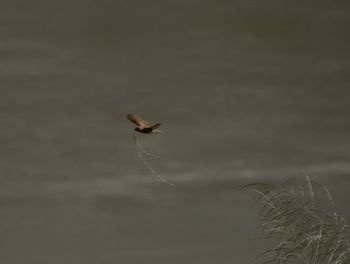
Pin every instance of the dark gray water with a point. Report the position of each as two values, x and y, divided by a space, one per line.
246 91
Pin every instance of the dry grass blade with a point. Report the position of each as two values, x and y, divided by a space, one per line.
139 151
301 227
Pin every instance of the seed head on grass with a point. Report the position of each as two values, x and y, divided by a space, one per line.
300 220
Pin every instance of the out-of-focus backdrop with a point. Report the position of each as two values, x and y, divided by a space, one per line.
246 90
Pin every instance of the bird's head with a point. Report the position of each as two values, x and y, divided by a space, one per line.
155 131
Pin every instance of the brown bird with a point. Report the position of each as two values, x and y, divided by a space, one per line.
142 125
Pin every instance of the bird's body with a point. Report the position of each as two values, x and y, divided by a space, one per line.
142 125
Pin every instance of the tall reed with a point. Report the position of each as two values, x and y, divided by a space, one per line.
300 222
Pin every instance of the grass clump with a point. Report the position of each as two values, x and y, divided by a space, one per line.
300 220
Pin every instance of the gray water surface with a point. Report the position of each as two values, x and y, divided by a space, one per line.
246 91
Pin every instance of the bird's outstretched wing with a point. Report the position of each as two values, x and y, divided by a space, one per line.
137 120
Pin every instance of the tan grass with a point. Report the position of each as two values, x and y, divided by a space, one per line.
300 220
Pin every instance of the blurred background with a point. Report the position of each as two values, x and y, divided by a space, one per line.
246 91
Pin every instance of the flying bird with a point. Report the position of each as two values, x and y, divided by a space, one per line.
143 126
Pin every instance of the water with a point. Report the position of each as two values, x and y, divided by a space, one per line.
245 90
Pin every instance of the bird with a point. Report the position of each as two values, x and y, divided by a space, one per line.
143 126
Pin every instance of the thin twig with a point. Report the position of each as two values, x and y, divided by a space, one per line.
140 148
139 151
